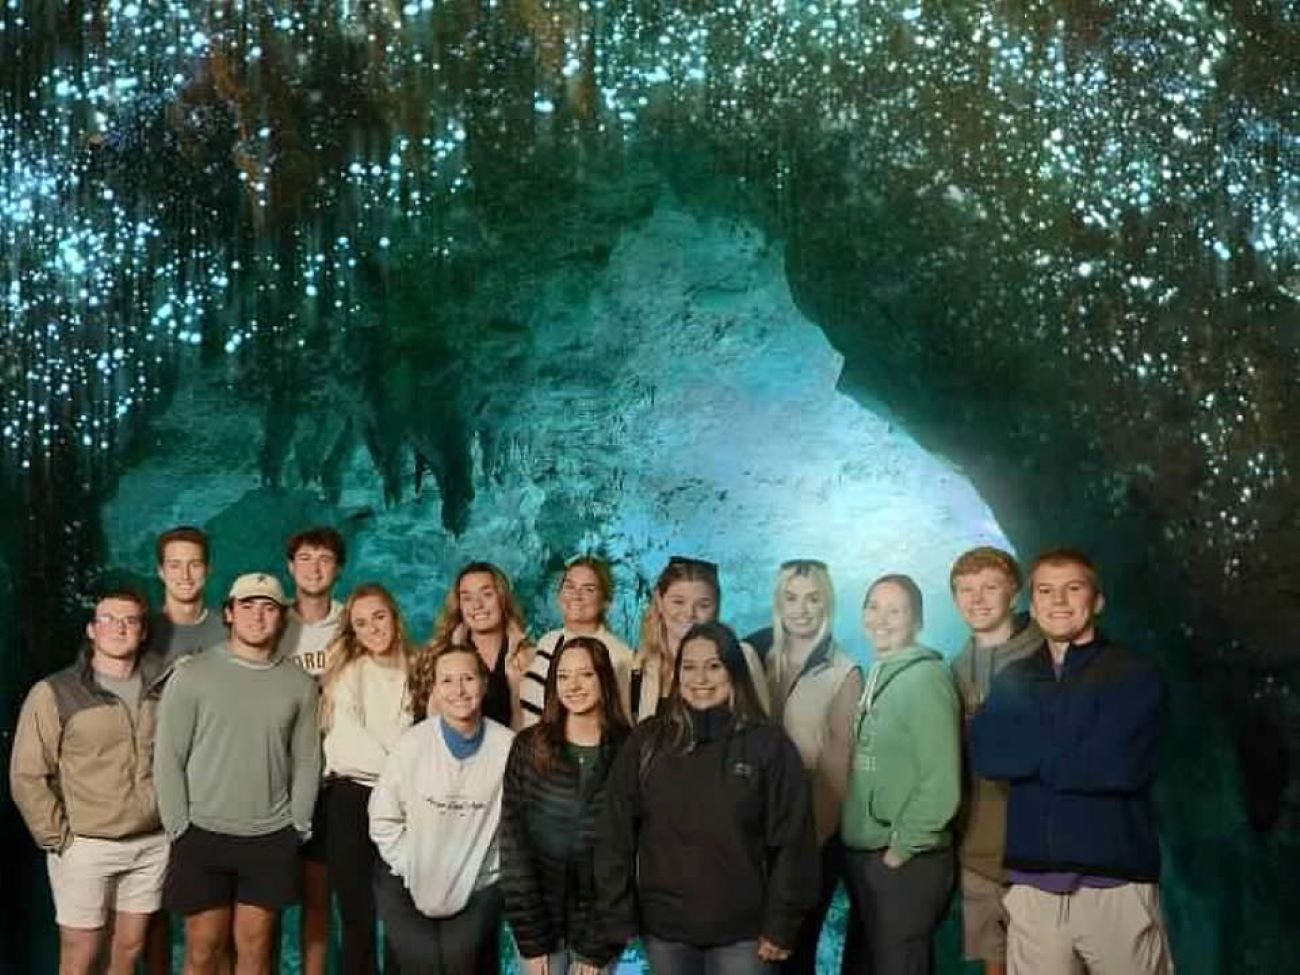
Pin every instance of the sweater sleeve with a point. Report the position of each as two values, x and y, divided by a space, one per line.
177 717
306 760
387 811
1006 734
351 749
616 843
934 729
1111 743
794 866
34 770
525 907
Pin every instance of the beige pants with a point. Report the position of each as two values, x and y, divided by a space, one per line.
1113 931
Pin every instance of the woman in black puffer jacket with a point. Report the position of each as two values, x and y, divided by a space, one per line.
554 791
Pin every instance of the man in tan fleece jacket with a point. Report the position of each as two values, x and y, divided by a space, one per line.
81 775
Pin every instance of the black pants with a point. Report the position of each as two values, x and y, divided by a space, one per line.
804 959
901 908
350 860
467 943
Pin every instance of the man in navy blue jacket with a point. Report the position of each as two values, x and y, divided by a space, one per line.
1074 728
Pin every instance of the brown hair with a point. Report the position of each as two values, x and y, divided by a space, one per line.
422 674
1068 556
318 537
345 648
183 533
549 740
604 578
909 587
985 557
675 732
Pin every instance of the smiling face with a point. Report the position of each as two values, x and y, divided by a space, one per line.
254 622
458 688
314 569
888 618
372 621
582 599
705 682
116 629
576 682
1065 602
685 603
802 608
985 599
183 571
480 602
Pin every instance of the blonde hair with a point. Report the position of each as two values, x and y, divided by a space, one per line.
654 632
345 648
451 617
820 577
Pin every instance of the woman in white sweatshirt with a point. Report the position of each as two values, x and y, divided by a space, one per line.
364 711
434 816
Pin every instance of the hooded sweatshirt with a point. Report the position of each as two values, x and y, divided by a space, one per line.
983 820
905 783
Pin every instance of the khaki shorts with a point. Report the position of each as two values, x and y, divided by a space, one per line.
983 918
92 877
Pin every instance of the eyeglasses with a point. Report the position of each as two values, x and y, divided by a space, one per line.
707 566
130 622
803 564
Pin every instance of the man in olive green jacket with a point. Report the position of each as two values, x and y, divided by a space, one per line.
985 582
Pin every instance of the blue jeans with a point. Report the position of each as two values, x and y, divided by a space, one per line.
675 958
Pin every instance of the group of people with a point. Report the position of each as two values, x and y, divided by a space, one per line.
704 794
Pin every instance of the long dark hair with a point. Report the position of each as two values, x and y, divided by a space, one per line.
676 733
548 740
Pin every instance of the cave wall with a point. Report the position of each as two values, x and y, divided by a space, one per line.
1053 242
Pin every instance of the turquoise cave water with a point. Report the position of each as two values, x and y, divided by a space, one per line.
867 280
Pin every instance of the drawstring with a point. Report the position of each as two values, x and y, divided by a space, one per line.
868 699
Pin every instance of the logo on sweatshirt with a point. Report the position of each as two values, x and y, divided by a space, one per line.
457 806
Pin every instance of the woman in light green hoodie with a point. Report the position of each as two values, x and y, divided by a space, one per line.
904 786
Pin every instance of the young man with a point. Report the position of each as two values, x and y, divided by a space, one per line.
1074 729
985 582
185 625
316 557
79 774
237 763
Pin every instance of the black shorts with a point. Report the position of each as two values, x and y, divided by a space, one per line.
314 848
208 870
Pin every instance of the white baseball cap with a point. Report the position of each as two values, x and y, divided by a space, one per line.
252 585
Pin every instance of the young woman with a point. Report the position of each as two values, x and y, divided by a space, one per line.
481 611
904 786
586 590
706 846
364 710
814 688
686 593
434 816
554 792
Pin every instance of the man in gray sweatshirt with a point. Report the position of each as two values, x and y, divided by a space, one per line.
237 766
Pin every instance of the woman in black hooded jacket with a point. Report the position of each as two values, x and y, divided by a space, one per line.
706 847
553 794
